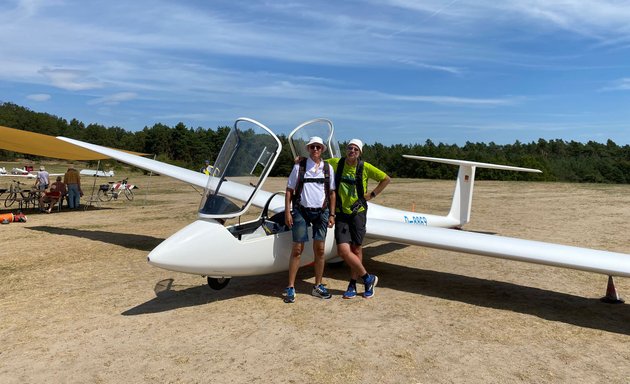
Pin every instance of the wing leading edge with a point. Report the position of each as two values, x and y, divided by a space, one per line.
192 177
538 252
199 179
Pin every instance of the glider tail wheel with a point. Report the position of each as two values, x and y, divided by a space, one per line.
218 283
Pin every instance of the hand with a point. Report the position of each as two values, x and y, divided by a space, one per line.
331 221
288 219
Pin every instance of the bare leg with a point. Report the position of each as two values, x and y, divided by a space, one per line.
357 250
318 251
352 259
294 262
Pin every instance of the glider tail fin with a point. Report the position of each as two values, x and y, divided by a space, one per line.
462 197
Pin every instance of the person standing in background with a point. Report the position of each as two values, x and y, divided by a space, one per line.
72 179
42 180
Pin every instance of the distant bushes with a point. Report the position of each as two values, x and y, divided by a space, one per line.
188 147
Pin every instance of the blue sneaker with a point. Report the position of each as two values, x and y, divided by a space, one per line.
351 292
370 283
289 295
321 292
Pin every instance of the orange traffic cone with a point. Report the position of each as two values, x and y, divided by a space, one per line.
612 297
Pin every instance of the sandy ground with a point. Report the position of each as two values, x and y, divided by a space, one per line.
78 300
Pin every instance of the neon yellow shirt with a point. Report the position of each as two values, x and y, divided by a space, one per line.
348 191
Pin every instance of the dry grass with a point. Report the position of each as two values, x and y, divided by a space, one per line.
79 304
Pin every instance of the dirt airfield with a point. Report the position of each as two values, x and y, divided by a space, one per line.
79 303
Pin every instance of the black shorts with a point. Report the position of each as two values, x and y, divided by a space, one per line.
350 228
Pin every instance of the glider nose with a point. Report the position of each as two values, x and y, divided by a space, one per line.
186 250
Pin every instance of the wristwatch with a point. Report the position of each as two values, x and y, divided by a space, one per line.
332 215
372 194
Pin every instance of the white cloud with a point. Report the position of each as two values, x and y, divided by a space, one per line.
114 99
452 100
70 79
370 61
619 85
39 97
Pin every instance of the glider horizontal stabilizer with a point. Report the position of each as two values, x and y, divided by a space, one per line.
473 164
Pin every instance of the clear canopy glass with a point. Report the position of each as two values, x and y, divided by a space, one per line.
247 156
322 128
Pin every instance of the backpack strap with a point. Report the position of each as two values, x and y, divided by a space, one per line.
338 173
326 185
299 185
359 184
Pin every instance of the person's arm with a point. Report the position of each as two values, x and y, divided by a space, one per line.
332 217
379 188
288 197
332 197
288 219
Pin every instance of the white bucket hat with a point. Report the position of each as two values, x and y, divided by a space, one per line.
358 143
316 140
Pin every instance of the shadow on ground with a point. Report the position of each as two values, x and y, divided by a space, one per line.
170 295
127 240
545 304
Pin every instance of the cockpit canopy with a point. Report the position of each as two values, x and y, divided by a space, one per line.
317 127
246 158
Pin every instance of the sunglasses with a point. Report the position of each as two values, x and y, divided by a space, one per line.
316 147
351 149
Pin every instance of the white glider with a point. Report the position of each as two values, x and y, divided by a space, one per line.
208 248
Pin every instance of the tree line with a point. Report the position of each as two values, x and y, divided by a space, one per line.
560 160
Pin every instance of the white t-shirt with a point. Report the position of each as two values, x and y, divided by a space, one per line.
312 193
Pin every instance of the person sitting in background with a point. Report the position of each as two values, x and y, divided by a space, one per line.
49 197
61 187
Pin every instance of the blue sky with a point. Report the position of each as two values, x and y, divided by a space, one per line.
388 71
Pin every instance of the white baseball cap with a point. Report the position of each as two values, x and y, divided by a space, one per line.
316 140
358 143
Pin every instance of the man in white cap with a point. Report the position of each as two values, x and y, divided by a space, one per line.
42 180
311 193
352 176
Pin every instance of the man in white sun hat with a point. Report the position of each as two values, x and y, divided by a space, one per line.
42 180
309 200
352 176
